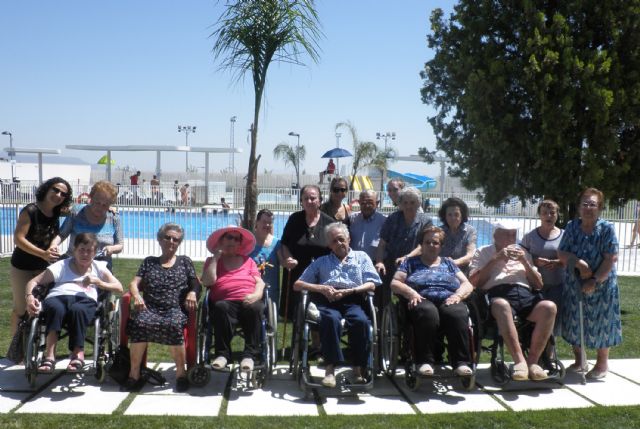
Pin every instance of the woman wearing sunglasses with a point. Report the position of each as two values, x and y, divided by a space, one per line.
335 207
37 226
236 290
170 290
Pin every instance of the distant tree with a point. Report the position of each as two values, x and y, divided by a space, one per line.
381 163
538 98
290 155
250 34
363 152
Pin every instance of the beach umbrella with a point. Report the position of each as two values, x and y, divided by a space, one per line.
104 160
337 152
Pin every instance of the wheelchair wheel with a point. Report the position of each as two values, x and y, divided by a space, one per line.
272 333
499 371
389 341
468 383
411 379
101 370
198 375
34 352
114 323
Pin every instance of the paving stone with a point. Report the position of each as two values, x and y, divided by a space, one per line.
5 363
277 398
215 387
175 405
13 378
612 390
627 368
366 403
76 394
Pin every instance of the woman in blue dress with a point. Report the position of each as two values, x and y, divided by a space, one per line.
592 242
267 251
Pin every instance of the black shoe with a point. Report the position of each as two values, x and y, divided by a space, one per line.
182 384
132 385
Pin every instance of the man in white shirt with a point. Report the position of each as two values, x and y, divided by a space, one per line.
507 274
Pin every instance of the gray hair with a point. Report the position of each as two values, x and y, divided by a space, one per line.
368 193
410 192
170 226
341 227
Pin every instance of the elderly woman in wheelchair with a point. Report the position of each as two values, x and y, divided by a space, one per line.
336 284
433 289
72 300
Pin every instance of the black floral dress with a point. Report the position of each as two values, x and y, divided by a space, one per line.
164 292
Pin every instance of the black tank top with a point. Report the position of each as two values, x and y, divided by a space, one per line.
42 231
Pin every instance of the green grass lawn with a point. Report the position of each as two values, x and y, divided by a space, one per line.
602 417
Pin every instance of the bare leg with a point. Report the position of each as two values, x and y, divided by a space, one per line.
178 354
501 311
543 315
602 361
50 345
136 351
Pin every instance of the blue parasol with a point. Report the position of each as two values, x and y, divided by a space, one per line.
337 152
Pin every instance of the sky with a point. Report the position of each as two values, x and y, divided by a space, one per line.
129 72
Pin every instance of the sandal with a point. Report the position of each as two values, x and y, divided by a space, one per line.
47 366
75 366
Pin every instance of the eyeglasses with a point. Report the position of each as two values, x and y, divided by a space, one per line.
60 192
237 238
336 190
588 205
172 239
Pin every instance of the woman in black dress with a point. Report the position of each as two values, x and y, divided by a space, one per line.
170 288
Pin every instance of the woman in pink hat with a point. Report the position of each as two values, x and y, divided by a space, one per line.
235 296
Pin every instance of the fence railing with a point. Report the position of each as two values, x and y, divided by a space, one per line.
140 225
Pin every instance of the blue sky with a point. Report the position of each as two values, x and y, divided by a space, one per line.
129 72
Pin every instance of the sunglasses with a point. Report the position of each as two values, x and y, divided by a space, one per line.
172 239
59 191
336 190
237 238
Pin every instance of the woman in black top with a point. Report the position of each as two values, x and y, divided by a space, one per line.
37 225
302 241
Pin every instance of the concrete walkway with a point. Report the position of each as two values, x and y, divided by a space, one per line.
63 393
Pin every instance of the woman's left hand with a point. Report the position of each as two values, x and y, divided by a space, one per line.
453 299
589 286
250 299
190 302
87 281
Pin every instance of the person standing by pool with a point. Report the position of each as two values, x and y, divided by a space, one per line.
267 251
37 226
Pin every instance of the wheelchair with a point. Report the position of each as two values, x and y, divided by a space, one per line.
105 337
397 341
264 366
197 374
299 364
500 371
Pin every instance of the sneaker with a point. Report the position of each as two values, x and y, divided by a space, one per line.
463 371
425 369
246 365
329 380
219 363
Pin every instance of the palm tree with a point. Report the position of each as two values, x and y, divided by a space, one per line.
291 155
250 34
381 163
363 152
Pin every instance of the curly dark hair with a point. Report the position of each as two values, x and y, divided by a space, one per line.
453 202
42 190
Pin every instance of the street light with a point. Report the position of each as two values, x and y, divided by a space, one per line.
186 129
11 154
338 135
297 159
386 136
232 144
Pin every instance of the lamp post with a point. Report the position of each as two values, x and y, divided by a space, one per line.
297 158
11 154
386 136
338 135
232 144
186 129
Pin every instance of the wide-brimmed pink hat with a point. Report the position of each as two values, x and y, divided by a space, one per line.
246 246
